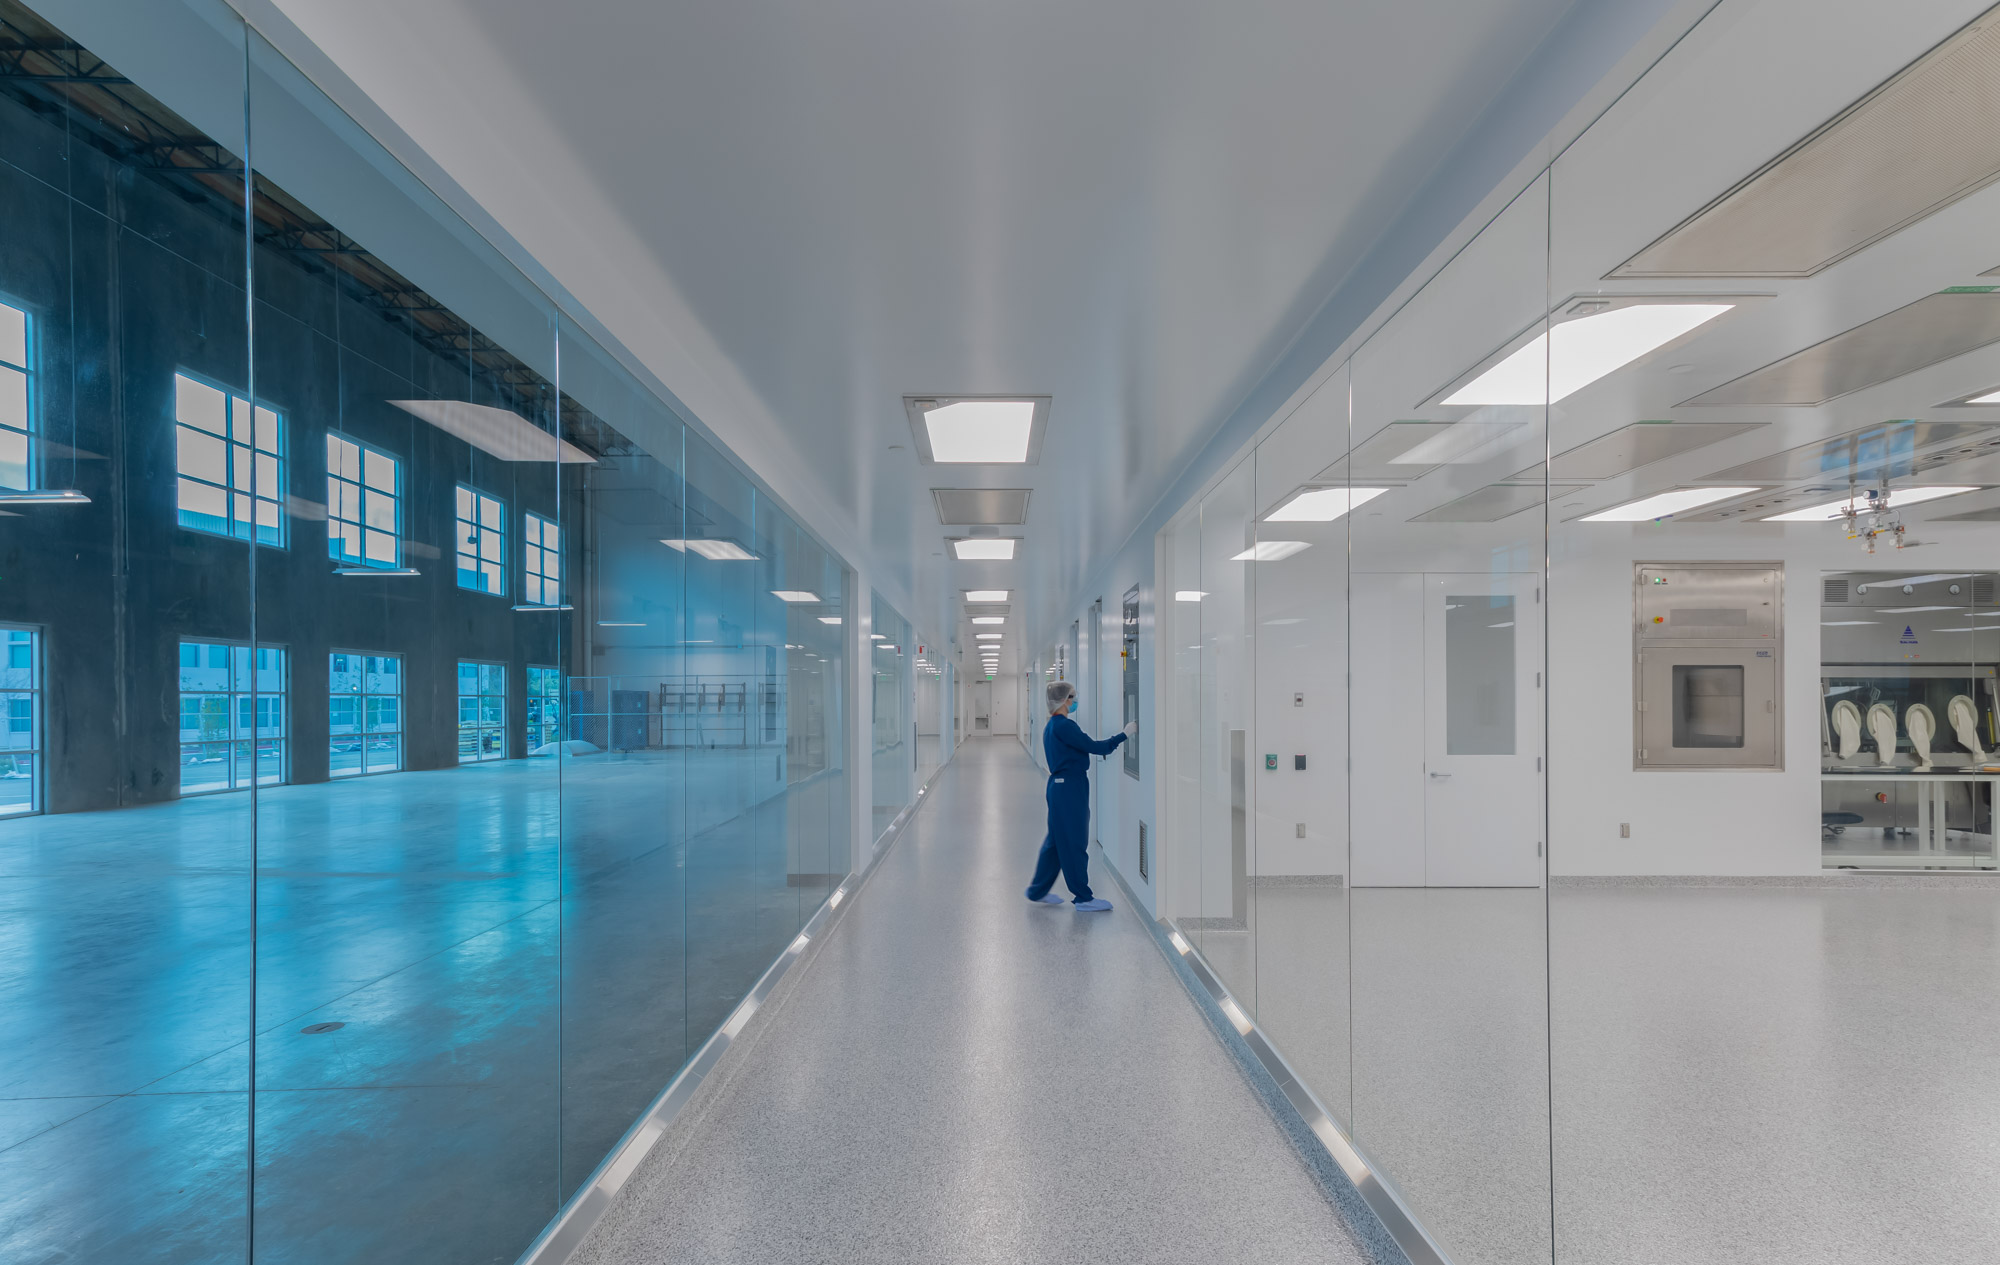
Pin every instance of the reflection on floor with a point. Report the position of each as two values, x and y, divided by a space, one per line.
1741 1074
459 1102
964 1077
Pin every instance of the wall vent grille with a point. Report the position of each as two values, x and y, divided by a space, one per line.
1982 590
1836 593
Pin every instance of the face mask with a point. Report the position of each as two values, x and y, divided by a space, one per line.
1071 709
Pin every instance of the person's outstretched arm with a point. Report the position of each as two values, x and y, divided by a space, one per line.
1070 734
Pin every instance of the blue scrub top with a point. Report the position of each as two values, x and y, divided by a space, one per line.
1069 749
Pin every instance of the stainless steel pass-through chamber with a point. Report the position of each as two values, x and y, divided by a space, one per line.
1708 657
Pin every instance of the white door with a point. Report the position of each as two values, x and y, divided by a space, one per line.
982 707
1483 818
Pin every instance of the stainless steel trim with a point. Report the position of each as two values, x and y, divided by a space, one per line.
577 1218
1367 1177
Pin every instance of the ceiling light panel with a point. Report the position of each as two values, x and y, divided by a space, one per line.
1914 145
1189 595
1491 503
984 549
497 432
1899 498
977 429
988 636
794 595
986 595
1934 329
1000 506
1557 364
713 550
1639 444
1271 550
989 619
1663 505
1322 505
1878 451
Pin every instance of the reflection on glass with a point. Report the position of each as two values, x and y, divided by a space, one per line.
1708 705
1479 674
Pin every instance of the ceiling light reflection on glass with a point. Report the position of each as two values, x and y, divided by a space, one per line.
1899 498
1271 550
794 595
985 549
1189 595
986 431
829 619
713 550
1322 505
1665 505
1574 354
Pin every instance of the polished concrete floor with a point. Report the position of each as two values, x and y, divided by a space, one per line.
962 1076
516 970
1741 1072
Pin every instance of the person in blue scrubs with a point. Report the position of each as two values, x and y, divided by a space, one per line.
1069 749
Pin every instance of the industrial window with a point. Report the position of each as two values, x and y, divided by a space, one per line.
364 713
544 707
364 505
21 742
482 542
541 553
482 711
232 719
17 417
230 460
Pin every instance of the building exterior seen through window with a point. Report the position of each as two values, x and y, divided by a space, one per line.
544 707
230 460
482 541
17 429
541 554
482 711
20 721
364 505
232 719
364 713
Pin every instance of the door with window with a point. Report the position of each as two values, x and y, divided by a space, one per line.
1482 730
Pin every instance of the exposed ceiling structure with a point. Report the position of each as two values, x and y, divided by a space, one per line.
798 215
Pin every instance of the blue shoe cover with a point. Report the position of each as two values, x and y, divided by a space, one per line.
1050 899
1092 906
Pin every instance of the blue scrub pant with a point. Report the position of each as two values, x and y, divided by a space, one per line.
1066 845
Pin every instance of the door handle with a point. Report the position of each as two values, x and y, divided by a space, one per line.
1440 775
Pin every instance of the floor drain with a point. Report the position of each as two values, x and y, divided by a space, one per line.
313 1029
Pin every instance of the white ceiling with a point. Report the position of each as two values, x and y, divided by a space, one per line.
795 213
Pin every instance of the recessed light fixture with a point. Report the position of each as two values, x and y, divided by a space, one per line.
986 595
878 637
1991 397
988 636
713 550
1665 505
985 549
42 496
829 619
794 595
1899 498
989 619
1271 550
1562 361
1322 505
986 430
1189 595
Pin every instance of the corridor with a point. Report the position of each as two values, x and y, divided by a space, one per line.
960 1075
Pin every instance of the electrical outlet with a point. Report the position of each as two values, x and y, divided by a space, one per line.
1302 830
1624 830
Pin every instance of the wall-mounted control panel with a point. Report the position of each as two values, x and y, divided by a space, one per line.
1708 665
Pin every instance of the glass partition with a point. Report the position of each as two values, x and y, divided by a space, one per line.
417 738
893 726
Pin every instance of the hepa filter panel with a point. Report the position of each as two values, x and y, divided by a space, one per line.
997 506
1884 450
1639 444
1492 503
1922 140
1916 336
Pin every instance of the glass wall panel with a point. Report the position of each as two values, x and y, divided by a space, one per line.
1774 928
1447 839
892 725
1228 583
125 1016
582 774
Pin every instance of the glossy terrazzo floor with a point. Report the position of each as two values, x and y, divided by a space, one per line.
962 1076
1741 1073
